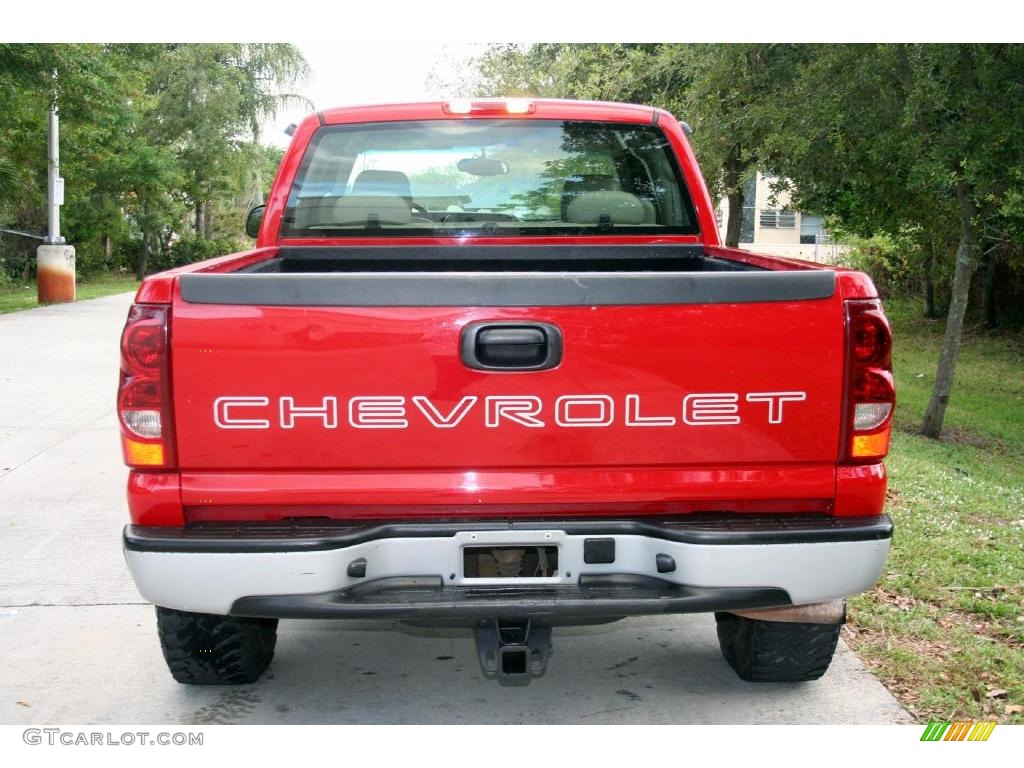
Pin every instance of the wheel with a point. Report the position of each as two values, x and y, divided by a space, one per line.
201 649
776 651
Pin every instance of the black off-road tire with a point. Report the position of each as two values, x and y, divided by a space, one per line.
776 651
201 649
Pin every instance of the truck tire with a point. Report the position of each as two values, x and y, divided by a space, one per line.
201 649
776 651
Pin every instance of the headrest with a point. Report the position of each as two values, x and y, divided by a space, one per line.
619 207
585 182
382 183
353 209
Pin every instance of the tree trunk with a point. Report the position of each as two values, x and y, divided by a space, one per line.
143 258
107 252
965 263
200 223
988 289
929 285
732 230
207 220
733 177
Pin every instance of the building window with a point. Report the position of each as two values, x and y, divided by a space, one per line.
812 229
773 218
749 211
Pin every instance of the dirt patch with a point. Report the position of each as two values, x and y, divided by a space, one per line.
957 435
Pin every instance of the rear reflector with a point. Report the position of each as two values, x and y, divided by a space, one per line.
870 446
139 454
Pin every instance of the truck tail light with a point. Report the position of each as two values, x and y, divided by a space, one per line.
143 395
870 392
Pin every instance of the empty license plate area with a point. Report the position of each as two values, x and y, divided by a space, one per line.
510 562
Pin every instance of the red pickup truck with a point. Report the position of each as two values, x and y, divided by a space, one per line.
488 365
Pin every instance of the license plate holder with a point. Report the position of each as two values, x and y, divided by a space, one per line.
510 561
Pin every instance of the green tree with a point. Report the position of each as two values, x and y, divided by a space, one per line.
728 92
149 133
732 94
912 138
211 100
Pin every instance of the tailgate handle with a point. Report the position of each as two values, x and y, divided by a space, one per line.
511 346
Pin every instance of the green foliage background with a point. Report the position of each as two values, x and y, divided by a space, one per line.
159 145
875 137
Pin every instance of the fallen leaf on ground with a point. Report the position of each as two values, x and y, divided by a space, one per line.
1013 709
996 693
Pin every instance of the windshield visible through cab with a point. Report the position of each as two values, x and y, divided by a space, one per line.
489 177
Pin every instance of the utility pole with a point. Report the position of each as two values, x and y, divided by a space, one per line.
55 260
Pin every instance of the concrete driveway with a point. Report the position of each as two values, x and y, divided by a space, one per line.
79 645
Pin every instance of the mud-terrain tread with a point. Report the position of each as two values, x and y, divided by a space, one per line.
201 649
776 651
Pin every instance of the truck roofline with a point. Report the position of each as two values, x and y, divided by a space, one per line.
543 109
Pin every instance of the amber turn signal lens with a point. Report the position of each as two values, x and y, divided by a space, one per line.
139 454
870 446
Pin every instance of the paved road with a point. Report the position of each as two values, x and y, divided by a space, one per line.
79 646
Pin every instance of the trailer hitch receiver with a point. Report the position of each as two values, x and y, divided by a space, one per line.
512 652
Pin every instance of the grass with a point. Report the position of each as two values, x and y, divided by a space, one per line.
944 628
23 295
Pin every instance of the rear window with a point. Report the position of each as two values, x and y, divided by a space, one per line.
488 177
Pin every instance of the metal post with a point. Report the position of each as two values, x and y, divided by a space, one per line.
55 261
54 183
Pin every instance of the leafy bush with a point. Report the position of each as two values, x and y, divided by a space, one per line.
880 256
190 250
899 264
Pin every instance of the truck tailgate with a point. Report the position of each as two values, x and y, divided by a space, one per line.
382 393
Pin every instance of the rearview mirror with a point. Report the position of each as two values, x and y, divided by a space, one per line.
253 220
483 166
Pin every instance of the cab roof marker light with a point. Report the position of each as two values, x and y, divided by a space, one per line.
519 106
459 106
489 107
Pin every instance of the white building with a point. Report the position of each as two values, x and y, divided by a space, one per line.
769 226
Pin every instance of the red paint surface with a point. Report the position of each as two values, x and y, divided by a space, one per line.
662 353
860 490
154 498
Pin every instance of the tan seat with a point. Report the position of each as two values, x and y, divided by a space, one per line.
352 210
584 183
581 183
374 182
618 207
